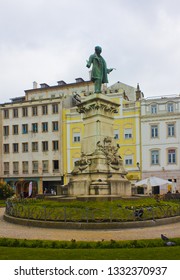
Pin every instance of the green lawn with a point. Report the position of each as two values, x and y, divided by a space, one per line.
23 249
158 253
126 202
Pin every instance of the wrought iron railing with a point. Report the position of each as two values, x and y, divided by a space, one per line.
89 215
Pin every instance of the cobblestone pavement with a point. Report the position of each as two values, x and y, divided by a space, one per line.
24 232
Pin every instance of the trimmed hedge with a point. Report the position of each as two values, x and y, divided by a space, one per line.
73 244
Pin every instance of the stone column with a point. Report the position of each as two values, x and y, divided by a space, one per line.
98 116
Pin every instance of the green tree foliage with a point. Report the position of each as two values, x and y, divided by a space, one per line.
5 191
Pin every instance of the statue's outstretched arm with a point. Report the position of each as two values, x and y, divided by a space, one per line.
89 62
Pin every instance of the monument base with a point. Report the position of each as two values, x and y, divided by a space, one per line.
100 169
91 184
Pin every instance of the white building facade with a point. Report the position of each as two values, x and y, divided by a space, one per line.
31 146
160 139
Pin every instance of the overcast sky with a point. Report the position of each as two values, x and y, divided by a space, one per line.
49 40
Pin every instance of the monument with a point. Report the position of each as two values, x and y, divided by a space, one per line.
100 169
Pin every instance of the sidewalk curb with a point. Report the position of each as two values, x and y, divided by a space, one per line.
90 226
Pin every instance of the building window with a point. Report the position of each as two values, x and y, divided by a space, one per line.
170 107
171 130
44 109
45 146
15 113
24 111
55 165
6 130
154 109
15 148
116 133
34 127
154 131
172 156
24 147
15 167
25 167
76 137
128 160
34 146
15 129
24 128
45 127
55 145
6 148
34 111
6 168
35 167
154 157
55 126
45 165
128 133
55 108
6 114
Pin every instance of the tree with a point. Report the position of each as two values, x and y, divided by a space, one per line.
6 191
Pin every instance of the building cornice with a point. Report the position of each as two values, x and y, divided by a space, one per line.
161 117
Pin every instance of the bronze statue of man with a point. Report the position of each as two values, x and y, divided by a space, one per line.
99 70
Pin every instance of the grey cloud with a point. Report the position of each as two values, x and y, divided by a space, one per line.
50 40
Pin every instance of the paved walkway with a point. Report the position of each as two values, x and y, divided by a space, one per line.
23 232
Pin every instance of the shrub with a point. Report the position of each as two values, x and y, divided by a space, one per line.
6 191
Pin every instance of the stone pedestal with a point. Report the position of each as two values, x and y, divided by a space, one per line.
98 116
100 170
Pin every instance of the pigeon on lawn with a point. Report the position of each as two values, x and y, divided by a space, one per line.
167 241
170 243
163 237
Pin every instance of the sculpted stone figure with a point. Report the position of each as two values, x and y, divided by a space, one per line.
111 153
81 164
99 69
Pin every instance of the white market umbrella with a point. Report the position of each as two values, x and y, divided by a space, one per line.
152 182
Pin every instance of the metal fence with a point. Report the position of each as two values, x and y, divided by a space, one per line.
88 215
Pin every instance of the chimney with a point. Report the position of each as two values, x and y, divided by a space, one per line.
35 85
